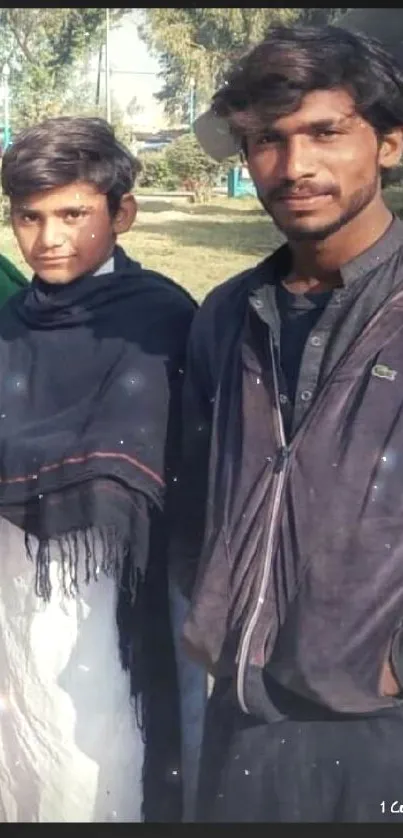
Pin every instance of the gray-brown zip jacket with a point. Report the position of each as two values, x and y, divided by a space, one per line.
292 548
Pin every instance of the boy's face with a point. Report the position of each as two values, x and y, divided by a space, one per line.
68 231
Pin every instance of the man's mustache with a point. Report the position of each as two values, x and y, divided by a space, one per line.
303 190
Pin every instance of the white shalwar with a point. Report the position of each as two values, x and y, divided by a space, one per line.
70 748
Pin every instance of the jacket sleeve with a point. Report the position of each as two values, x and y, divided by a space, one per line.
396 655
191 490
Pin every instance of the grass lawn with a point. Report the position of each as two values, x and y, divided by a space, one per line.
198 245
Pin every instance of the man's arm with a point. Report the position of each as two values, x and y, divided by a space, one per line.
191 482
391 683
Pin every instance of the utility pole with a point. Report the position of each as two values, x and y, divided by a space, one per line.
192 84
6 88
107 70
98 91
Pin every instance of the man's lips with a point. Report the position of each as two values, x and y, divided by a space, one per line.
300 199
300 195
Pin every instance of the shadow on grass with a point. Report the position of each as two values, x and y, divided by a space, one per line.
185 206
232 209
257 239
161 206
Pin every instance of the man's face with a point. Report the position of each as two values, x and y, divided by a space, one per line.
68 231
319 167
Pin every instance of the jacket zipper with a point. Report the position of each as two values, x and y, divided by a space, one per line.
279 477
282 457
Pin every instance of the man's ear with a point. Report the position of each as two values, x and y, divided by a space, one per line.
125 215
391 149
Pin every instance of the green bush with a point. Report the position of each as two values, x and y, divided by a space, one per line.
195 171
156 171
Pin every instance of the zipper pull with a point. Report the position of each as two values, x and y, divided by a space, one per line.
281 459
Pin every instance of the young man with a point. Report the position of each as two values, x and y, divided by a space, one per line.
292 476
91 358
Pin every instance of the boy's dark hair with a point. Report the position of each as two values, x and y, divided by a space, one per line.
271 80
65 149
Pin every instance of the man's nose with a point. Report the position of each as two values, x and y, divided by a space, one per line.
298 159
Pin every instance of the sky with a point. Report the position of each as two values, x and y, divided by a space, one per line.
130 54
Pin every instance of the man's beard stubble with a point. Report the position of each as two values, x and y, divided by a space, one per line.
358 202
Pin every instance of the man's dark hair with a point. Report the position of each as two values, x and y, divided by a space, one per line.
272 79
65 149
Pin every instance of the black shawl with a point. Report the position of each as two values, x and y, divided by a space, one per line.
90 375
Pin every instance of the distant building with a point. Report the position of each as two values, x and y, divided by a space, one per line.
155 140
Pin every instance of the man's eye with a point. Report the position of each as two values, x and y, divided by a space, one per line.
267 139
25 218
326 134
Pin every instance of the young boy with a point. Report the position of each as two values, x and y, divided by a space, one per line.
91 358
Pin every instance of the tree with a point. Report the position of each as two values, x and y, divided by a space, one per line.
202 43
43 48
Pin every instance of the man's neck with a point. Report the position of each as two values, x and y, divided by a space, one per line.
316 264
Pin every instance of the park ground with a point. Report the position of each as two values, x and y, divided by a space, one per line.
198 245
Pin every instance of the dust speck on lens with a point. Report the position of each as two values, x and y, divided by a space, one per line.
133 381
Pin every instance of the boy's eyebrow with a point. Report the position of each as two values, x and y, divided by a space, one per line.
61 211
73 208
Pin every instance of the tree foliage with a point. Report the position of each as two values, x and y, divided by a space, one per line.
44 48
156 172
202 43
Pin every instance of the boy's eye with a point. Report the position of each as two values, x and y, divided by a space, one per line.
74 214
